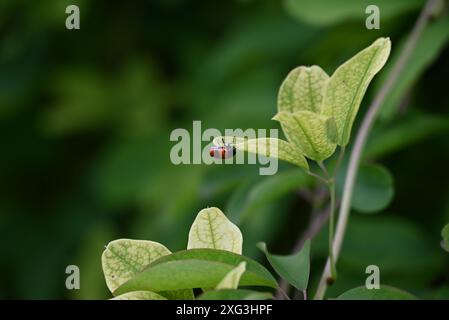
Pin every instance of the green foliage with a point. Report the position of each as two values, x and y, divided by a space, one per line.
384 293
138 269
196 268
211 229
85 135
294 268
312 133
347 86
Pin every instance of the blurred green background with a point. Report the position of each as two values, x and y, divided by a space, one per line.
85 119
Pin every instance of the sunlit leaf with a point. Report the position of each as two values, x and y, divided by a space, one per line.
235 294
302 90
232 279
124 258
211 229
348 84
383 293
196 268
139 295
294 268
312 133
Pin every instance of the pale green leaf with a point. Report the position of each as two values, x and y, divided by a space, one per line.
124 258
310 132
302 90
139 295
445 236
235 294
348 84
294 268
211 229
383 293
269 147
196 268
232 279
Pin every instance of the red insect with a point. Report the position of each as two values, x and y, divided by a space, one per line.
223 151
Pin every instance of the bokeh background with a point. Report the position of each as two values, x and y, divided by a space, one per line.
85 119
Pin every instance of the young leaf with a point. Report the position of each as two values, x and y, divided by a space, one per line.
348 84
294 268
313 133
269 147
124 258
384 293
235 294
232 279
139 295
211 229
303 90
445 236
196 268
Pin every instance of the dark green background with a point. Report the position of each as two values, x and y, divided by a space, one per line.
85 119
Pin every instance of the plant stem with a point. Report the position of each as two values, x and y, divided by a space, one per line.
362 135
333 275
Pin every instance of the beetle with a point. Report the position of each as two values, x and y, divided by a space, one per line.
223 151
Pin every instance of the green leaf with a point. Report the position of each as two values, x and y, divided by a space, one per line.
302 90
383 293
269 147
329 12
310 132
196 268
139 295
348 84
124 258
294 268
232 279
235 294
211 229
430 44
445 236
373 190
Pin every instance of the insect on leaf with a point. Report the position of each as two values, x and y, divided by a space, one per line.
269 147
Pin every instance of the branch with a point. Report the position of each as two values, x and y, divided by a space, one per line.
362 135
